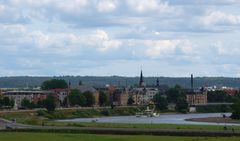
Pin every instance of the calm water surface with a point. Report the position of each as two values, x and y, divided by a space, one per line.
164 118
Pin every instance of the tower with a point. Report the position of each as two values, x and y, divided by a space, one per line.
141 82
192 82
157 83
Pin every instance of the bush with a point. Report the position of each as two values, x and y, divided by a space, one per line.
106 112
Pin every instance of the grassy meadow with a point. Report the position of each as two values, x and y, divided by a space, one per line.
5 136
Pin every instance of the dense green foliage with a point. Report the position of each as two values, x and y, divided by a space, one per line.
90 99
27 104
175 93
160 102
103 98
130 101
5 101
54 84
213 108
76 98
236 110
218 96
181 105
50 103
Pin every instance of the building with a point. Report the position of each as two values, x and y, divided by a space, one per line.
230 91
198 96
32 96
143 96
60 94
120 97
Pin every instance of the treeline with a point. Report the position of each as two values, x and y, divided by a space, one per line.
25 81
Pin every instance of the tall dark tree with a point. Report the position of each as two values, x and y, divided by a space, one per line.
236 110
130 101
25 103
90 99
181 105
103 98
77 98
54 84
6 101
73 97
160 102
50 103
173 94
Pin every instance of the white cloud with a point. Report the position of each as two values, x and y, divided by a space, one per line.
149 5
64 43
2 8
63 5
102 41
72 7
158 48
106 5
220 18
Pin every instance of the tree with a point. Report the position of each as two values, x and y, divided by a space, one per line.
236 110
103 98
181 105
54 84
26 103
73 97
6 101
130 101
90 99
160 102
50 103
218 96
76 98
173 94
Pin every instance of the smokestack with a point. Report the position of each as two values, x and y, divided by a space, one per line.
192 82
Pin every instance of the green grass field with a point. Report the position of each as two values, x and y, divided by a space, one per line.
149 126
5 136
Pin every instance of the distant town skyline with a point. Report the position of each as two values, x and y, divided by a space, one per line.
172 38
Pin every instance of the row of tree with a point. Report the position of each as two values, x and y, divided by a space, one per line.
76 98
6 102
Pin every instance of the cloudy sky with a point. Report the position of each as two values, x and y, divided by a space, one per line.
119 37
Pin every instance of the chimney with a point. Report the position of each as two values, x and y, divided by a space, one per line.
192 82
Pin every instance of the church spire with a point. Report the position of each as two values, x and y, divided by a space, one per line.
141 82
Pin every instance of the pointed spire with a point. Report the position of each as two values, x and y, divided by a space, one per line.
141 82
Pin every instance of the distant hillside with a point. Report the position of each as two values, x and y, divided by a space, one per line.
24 81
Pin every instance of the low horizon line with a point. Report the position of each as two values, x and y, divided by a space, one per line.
119 76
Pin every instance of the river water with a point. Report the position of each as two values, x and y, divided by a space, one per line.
164 118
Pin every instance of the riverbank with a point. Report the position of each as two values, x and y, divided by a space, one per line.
49 119
37 117
215 120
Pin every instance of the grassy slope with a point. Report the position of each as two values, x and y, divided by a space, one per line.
86 137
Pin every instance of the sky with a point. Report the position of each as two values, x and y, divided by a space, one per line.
120 37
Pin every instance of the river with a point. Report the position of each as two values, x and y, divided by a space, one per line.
162 119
